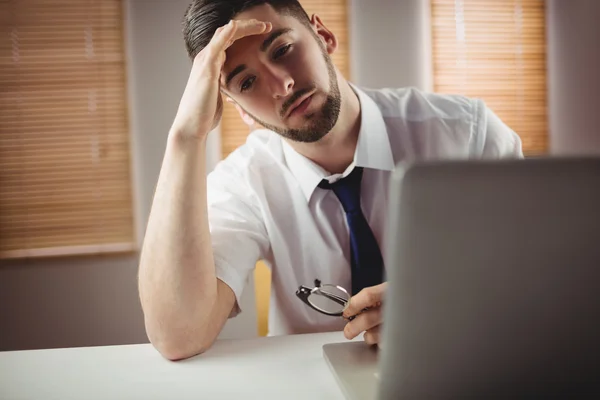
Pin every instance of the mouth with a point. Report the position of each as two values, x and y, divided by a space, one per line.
300 105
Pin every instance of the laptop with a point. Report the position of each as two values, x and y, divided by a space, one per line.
494 284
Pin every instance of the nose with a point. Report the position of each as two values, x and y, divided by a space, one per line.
281 83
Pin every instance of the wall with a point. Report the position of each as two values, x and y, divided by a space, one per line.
390 43
574 76
90 301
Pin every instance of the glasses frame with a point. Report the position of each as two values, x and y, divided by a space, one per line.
304 292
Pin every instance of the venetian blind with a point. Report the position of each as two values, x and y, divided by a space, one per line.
334 15
495 50
64 147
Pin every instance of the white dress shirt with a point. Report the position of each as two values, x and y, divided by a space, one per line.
264 203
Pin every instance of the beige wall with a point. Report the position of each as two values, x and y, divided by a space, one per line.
66 302
390 43
574 76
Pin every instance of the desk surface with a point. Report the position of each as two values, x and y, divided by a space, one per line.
290 367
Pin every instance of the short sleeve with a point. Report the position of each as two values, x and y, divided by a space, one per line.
492 137
238 235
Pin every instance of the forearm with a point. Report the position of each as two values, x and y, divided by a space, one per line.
184 304
177 282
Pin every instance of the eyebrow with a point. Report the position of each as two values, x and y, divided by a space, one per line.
263 47
233 73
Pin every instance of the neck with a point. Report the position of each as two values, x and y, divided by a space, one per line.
335 151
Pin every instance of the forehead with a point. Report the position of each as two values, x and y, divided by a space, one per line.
249 45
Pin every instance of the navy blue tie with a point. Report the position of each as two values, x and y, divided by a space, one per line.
366 260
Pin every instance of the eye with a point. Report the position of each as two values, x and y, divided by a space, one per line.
247 83
281 51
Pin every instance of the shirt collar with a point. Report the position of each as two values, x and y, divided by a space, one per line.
373 149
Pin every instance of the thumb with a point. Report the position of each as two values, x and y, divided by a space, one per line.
368 297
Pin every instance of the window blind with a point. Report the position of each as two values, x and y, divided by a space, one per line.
64 142
495 50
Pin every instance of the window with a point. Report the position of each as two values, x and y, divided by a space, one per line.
495 50
64 142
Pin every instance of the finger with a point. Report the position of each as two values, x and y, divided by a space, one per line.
368 297
221 37
237 29
217 36
363 322
373 335
219 29
248 27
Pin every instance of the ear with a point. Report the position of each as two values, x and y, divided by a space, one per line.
326 36
248 120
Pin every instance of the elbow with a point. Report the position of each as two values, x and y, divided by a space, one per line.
176 347
176 351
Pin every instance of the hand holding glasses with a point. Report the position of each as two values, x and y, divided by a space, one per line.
327 299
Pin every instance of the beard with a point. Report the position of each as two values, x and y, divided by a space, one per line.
321 121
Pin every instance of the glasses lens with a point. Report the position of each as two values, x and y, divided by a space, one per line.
330 299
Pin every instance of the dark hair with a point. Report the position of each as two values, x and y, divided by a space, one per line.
203 17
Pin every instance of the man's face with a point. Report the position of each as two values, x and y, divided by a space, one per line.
284 79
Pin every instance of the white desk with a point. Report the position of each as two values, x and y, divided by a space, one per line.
283 367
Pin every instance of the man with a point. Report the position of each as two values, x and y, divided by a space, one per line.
308 194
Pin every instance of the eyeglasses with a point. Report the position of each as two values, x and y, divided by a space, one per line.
327 299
